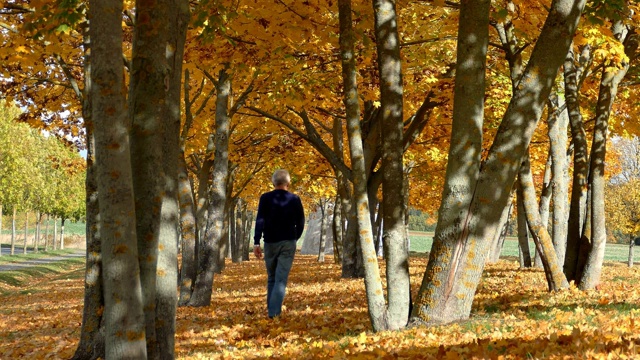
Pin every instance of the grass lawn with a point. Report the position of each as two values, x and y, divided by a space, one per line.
421 243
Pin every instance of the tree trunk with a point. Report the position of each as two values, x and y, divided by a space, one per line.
577 206
26 229
46 227
608 89
552 269
373 285
55 233
167 269
91 345
188 226
248 221
463 165
459 251
632 242
391 93
62 221
337 227
37 232
150 81
13 232
322 247
523 230
123 312
558 122
212 242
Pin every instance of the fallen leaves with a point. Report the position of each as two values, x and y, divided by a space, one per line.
513 317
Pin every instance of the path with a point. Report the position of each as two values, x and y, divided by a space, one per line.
41 261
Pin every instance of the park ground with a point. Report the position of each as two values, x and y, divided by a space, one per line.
513 316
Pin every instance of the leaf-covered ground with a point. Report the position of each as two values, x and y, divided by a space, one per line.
513 317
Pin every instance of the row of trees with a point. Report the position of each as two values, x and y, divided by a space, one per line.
39 174
428 96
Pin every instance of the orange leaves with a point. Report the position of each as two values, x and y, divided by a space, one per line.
513 317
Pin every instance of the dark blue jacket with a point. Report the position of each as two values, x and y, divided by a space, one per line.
280 217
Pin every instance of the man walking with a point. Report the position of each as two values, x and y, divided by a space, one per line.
280 220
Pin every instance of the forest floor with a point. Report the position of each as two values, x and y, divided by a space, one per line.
513 317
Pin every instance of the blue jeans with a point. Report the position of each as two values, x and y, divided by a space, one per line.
278 257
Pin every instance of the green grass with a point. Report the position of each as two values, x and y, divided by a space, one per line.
26 275
19 257
70 228
421 243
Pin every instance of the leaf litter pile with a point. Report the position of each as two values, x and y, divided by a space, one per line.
513 317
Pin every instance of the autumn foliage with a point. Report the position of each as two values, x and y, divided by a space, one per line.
513 317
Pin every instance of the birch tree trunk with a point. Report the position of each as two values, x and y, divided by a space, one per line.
459 251
391 93
123 312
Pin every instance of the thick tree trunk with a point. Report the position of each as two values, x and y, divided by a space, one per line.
123 312
189 230
391 93
462 168
523 230
459 251
150 80
552 269
211 244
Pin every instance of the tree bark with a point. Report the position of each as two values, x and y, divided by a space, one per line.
552 269
123 312
91 345
212 242
188 219
558 123
150 80
577 206
459 251
463 165
608 89
373 285
13 232
167 269
391 93
26 229
322 245
523 230
632 242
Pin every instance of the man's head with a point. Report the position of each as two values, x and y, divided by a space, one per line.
280 178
